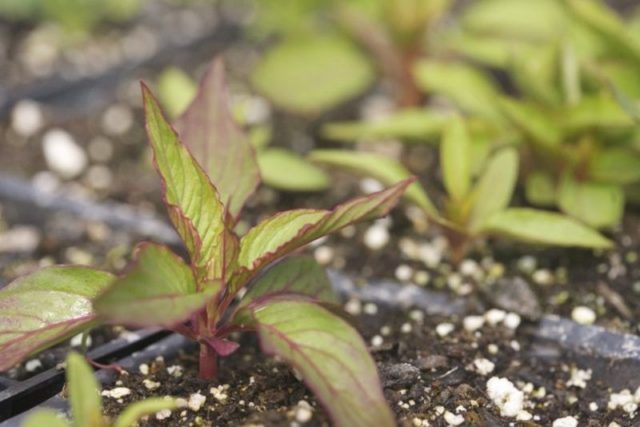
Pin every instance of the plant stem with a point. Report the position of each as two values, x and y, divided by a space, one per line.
208 362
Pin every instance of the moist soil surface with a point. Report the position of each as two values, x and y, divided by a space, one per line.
430 377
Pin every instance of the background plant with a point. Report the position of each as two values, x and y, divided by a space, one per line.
476 204
86 402
284 305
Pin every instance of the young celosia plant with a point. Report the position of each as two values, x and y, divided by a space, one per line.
204 199
86 403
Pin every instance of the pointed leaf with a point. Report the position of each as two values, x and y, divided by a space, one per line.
495 187
541 227
294 275
330 356
599 205
468 88
158 290
290 230
410 124
615 165
45 307
533 122
310 75
84 392
137 410
381 168
217 142
191 199
600 111
454 159
285 170
45 417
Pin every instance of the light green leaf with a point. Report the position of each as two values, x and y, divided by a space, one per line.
310 75
219 145
604 21
615 165
598 205
45 307
454 159
137 410
285 170
468 88
540 189
542 227
289 230
520 19
411 124
387 171
533 122
599 111
45 417
536 74
486 49
495 187
84 393
176 90
329 355
300 275
159 289
191 200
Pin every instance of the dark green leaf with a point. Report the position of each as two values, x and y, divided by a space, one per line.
45 307
158 290
329 355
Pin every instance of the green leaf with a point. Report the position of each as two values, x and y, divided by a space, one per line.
158 289
410 124
454 159
176 90
300 275
615 165
84 392
45 307
486 49
540 189
310 75
545 228
470 89
516 19
535 72
45 417
599 111
285 170
604 22
495 187
387 171
217 142
287 231
137 410
192 201
329 355
598 205
533 122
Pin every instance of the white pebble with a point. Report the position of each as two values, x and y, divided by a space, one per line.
376 237
505 396
26 118
473 323
565 422
117 120
430 255
377 341
219 392
469 268
444 329
164 414
583 315
484 366
495 316
527 264
370 185
543 277
117 393
304 412
144 369
370 309
579 378
512 321
625 400
196 400
323 254
353 307
32 365
593 406
406 328
62 154
404 273
453 419
175 370
151 385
